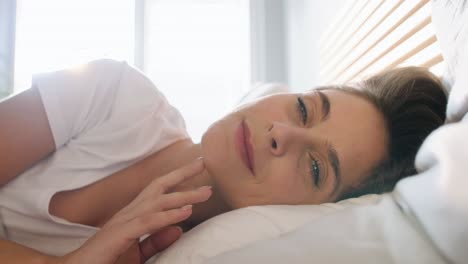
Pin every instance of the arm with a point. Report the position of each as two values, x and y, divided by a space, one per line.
25 138
153 212
25 135
11 252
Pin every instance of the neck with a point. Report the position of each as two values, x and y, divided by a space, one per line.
178 155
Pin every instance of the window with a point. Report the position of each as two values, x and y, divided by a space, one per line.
7 18
197 52
370 36
53 34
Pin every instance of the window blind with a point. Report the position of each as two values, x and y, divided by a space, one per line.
368 36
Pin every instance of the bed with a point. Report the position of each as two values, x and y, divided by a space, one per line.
424 220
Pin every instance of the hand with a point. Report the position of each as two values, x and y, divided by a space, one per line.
140 252
151 212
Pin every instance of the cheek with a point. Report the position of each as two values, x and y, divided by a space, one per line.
278 185
285 186
216 150
212 140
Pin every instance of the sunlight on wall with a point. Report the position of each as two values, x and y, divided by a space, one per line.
197 53
53 34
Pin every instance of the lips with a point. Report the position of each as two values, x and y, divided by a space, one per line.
244 147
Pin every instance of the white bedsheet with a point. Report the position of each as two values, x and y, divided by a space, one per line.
438 197
450 18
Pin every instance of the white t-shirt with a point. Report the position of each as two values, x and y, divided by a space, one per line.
104 117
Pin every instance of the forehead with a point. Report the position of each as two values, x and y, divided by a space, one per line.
357 131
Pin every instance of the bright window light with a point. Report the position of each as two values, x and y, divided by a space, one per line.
198 54
53 34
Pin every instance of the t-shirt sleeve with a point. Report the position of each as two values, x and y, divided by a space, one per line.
77 99
103 93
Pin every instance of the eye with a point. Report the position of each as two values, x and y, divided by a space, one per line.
315 170
302 109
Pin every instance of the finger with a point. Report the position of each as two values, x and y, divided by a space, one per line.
151 223
170 180
179 199
171 201
132 255
161 185
159 241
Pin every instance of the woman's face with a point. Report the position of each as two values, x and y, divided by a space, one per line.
294 148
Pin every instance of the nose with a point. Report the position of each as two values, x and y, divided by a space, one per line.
284 138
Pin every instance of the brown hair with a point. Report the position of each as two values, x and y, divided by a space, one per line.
413 103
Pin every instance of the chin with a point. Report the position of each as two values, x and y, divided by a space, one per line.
217 155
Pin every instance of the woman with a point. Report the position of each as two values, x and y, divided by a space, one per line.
101 147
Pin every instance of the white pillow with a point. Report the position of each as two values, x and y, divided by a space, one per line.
377 233
438 196
450 18
241 227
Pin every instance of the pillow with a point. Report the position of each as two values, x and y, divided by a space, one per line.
457 107
438 196
241 227
377 233
450 19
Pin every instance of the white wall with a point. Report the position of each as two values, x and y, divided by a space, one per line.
305 21
7 31
52 35
197 53
285 39
268 50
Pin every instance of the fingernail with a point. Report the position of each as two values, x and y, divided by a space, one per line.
206 187
186 207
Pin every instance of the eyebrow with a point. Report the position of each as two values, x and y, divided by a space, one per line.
332 153
335 163
325 105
